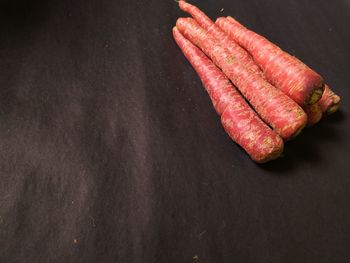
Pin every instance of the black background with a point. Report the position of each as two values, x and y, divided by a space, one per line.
110 150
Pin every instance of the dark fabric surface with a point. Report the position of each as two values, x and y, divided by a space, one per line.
110 150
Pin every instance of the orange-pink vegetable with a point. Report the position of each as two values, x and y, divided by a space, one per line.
285 116
284 71
239 120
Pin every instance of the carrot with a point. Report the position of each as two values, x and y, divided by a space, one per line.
328 104
329 101
314 114
284 71
239 120
205 22
273 106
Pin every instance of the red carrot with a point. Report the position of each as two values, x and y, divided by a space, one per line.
284 71
314 114
239 120
225 40
329 101
273 106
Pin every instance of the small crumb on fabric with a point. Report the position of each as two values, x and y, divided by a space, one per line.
222 9
202 233
195 257
75 241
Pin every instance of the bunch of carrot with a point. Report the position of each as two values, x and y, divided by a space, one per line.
263 95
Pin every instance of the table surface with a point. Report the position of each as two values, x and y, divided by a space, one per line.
111 151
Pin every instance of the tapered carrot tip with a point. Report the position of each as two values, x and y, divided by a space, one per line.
181 3
184 5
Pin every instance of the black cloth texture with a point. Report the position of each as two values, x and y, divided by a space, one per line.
111 151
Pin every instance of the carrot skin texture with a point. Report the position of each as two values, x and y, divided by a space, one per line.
314 114
329 101
225 40
262 143
274 107
240 121
202 19
284 71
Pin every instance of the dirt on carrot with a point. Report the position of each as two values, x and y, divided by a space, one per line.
239 120
284 71
273 106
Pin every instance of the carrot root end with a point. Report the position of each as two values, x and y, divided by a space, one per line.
316 95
